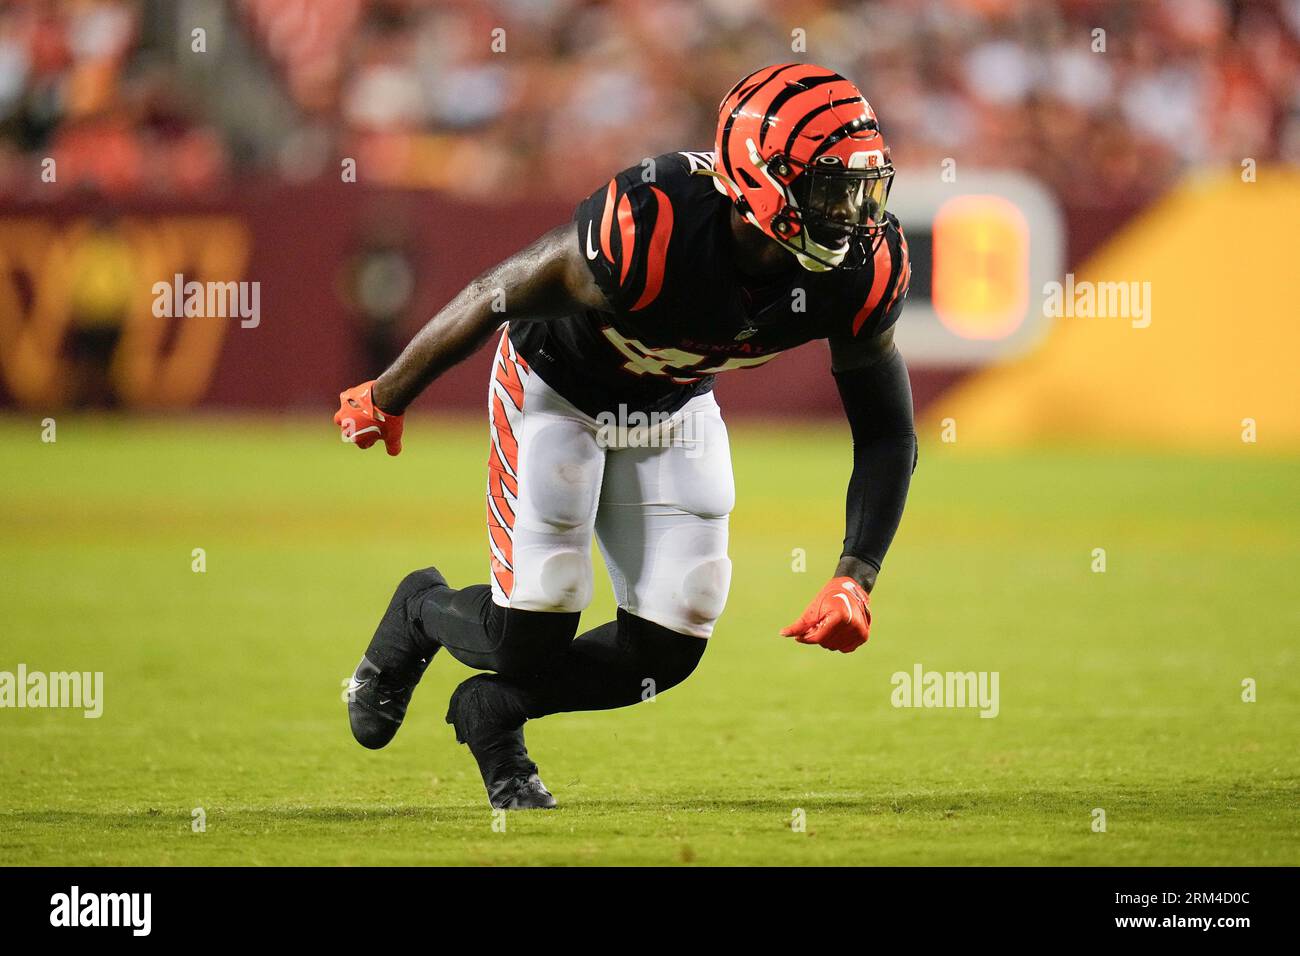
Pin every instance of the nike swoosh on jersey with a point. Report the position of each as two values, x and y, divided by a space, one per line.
591 250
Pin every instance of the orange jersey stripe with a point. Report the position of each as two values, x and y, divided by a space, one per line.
498 496
507 374
501 538
505 577
884 261
904 274
657 255
495 466
505 434
607 220
627 228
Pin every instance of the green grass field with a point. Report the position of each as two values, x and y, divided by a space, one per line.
1120 690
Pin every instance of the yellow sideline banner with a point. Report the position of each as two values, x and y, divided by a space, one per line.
1182 331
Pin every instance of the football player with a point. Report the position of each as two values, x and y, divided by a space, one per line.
679 268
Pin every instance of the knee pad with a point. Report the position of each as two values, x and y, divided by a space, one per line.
551 576
686 590
562 477
564 580
704 594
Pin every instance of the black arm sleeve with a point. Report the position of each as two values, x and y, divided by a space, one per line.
878 401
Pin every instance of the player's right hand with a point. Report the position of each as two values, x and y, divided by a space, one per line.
363 423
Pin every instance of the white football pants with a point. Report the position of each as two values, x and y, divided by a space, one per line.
656 491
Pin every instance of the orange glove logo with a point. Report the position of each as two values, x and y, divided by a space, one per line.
838 618
363 423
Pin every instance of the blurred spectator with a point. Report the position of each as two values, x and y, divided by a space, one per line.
516 97
76 87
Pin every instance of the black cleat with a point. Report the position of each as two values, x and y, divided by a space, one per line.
377 702
522 793
485 720
378 694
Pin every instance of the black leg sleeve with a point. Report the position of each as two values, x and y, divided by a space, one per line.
617 664
482 634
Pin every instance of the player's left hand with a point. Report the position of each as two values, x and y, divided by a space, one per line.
364 423
838 618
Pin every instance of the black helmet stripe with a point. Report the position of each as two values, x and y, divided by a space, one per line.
813 114
744 84
726 130
792 90
848 129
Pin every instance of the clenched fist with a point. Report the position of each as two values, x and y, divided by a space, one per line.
364 423
838 618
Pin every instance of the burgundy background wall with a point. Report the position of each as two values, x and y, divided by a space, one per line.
308 344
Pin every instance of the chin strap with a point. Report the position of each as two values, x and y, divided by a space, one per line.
721 182
808 262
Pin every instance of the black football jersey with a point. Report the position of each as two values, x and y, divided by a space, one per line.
657 239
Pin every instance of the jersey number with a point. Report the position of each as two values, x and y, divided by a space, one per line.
673 363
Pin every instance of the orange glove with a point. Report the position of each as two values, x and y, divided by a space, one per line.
363 423
838 618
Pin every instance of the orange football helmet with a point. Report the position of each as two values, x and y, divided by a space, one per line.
799 151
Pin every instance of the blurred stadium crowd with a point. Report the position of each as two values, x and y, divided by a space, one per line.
116 93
